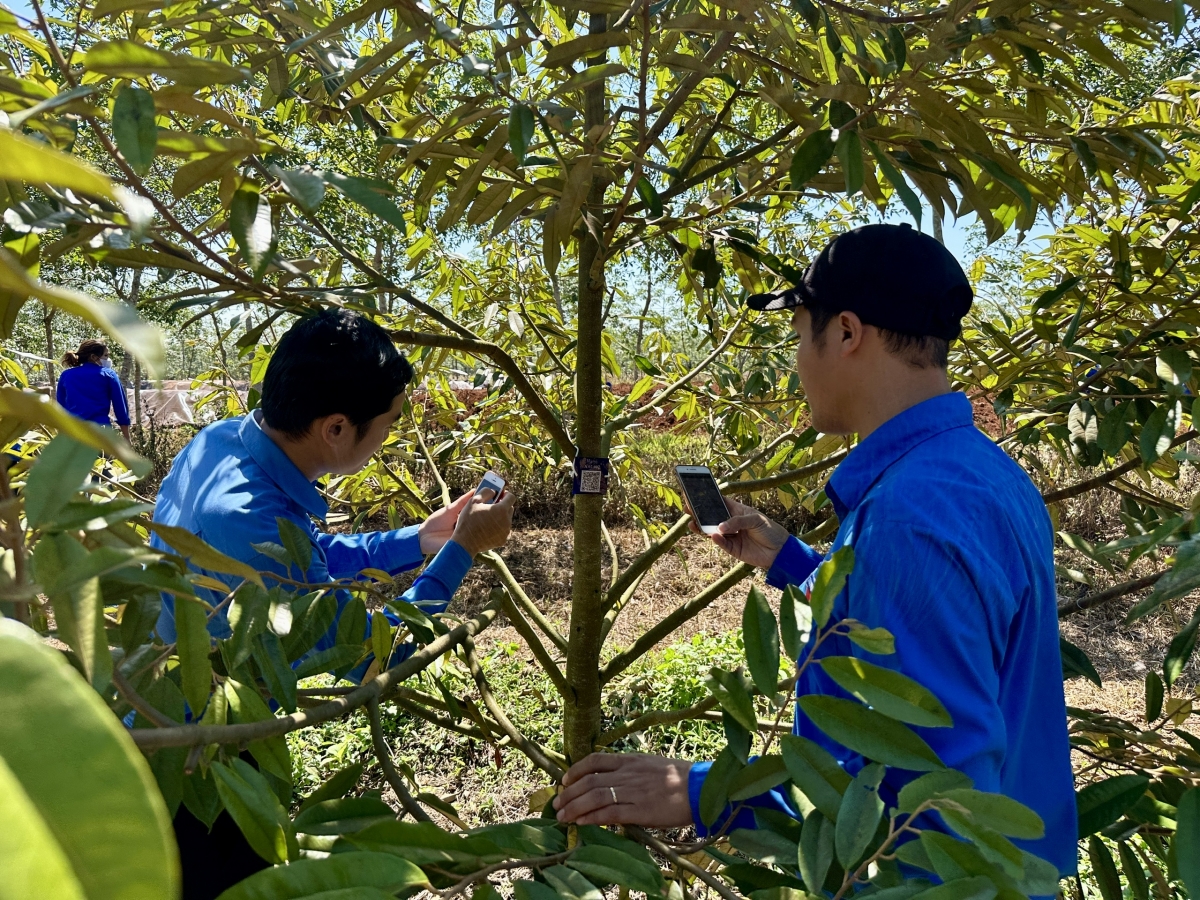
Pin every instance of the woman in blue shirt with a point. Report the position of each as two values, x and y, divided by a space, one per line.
89 388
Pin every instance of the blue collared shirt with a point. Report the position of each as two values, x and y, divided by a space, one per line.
953 555
89 391
228 487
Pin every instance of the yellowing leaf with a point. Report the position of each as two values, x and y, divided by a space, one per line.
31 162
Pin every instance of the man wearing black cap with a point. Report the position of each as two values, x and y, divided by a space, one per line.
952 545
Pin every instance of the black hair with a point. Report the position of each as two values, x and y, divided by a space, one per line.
335 361
88 351
921 351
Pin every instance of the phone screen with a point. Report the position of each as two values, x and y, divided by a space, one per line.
492 481
704 498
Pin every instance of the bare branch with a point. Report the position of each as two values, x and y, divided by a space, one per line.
750 486
1070 607
535 753
688 610
1111 475
140 703
375 689
384 755
644 837
540 653
496 562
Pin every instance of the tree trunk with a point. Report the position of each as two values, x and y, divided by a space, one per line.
581 710
48 321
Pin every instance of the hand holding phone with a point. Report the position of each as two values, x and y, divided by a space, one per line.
703 497
491 482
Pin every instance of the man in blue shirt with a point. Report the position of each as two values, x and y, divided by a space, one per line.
331 394
952 545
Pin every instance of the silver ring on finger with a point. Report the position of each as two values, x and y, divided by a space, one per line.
612 790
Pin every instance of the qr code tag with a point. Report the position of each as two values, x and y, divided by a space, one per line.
590 475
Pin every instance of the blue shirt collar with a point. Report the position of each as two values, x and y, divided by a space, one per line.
893 439
272 460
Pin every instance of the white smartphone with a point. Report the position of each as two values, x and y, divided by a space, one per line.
703 496
491 481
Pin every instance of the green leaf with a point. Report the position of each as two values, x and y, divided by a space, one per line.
279 676
1183 578
850 155
247 705
334 659
256 810
338 785
1075 663
1186 845
79 770
907 195
25 160
761 637
1103 802
247 619
59 473
828 583
1180 650
859 816
759 777
251 226
340 871
928 786
423 843
382 636
132 59
1159 430
896 696
1104 870
608 865
816 851
978 887
1154 695
732 692
192 645
1173 366
520 131
816 773
1131 866
298 543
994 847
870 733
810 158
305 187
533 890
342 815
78 606
362 193
421 626
1000 813
570 885
714 793
766 846
649 194
32 859
874 640
789 621
736 736
134 127
201 554
352 622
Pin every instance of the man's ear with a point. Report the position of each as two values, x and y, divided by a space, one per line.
850 327
333 428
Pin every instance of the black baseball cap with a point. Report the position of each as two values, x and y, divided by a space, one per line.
891 276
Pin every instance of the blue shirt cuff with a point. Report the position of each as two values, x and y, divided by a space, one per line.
795 562
399 550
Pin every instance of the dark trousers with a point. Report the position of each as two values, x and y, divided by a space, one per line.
212 861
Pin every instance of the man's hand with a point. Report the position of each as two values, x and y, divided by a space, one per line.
437 529
484 525
626 789
748 535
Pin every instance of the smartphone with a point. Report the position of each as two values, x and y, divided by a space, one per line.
703 496
491 481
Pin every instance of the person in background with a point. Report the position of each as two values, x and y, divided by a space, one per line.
89 387
953 551
331 395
